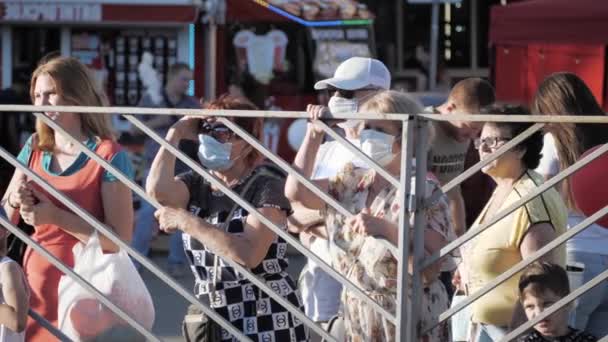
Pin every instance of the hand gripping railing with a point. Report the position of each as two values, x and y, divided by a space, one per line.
114 238
157 205
253 211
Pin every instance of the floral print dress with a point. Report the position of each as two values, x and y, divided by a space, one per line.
368 263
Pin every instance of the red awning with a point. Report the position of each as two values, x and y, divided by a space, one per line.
247 11
149 13
96 12
550 21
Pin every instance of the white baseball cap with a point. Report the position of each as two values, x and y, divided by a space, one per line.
358 73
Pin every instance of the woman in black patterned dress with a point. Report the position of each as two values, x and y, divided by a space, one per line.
216 230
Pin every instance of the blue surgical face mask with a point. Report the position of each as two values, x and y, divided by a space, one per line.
213 154
377 145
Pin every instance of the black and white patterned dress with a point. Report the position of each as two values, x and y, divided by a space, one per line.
248 308
572 336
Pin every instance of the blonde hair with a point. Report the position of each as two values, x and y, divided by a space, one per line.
76 86
392 101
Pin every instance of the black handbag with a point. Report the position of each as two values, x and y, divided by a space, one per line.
197 327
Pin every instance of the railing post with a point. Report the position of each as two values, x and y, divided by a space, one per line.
421 134
407 149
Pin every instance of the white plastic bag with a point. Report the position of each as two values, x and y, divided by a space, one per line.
81 315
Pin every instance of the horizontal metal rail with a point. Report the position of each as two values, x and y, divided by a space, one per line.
253 211
48 326
503 213
557 306
292 171
520 266
492 157
186 294
603 119
75 276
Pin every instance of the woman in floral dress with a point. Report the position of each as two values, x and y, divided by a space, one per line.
357 251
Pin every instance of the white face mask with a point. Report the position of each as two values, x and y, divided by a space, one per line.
377 145
340 105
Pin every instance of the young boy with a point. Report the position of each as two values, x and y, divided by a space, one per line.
14 294
540 286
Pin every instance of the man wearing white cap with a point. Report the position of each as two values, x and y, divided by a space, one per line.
354 80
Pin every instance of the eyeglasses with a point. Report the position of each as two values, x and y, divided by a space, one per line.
220 132
490 142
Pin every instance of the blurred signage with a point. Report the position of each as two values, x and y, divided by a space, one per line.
49 11
430 2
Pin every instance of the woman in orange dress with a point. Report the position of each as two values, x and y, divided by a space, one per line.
66 81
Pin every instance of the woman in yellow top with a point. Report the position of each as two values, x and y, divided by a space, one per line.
516 236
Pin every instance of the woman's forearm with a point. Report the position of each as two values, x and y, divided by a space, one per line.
82 230
234 247
304 162
159 183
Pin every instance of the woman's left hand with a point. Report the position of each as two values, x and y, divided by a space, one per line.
366 224
42 212
170 219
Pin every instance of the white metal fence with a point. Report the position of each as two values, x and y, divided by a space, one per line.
405 317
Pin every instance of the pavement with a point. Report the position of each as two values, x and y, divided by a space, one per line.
169 305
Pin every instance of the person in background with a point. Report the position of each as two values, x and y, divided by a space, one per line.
66 81
217 230
174 95
356 250
541 285
587 252
354 80
14 298
516 236
449 149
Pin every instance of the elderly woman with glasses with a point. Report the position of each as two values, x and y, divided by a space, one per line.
515 237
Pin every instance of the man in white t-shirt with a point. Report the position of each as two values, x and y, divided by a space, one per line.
354 80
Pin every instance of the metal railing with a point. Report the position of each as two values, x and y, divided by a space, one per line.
405 318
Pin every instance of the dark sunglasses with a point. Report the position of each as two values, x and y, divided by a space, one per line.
346 94
219 132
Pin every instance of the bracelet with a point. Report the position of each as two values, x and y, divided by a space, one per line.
8 201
